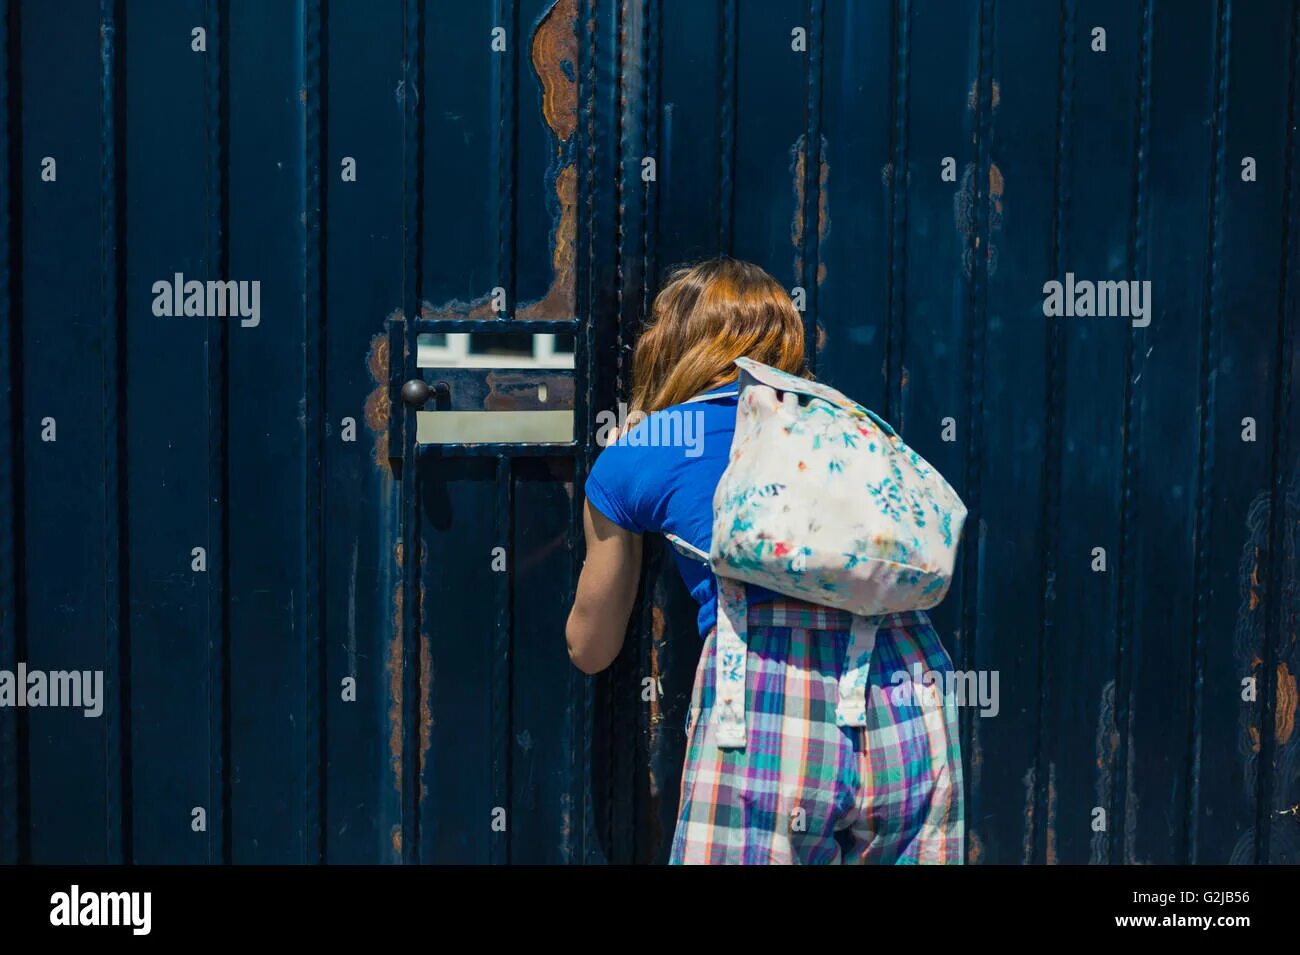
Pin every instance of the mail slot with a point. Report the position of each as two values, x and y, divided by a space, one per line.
497 406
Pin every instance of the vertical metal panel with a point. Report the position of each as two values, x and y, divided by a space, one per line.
463 727
1048 785
1095 212
268 593
1118 825
853 249
1167 367
896 174
940 328
600 360
617 768
1280 751
402 348
63 483
1018 108
979 251
810 163
314 396
10 823
689 148
770 179
464 93
117 687
542 820
1233 610
362 247
500 734
217 360
167 180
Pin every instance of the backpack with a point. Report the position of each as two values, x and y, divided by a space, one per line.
821 501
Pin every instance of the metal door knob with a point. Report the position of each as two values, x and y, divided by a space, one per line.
416 392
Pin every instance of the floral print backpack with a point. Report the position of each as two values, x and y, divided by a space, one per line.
823 502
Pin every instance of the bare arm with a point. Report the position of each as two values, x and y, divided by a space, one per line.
606 592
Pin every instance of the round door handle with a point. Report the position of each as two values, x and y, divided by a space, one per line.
417 392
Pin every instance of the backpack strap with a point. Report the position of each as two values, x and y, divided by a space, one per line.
709 396
729 656
851 707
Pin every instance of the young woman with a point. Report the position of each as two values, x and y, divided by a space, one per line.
804 789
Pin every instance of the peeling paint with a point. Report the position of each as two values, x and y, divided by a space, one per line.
1027 843
1105 745
1051 814
479 309
555 60
1130 799
378 403
426 676
656 638
973 96
395 667
558 303
975 852
964 209
1248 630
426 707
1254 582
1284 717
798 166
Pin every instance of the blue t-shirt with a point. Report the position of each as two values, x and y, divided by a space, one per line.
659 478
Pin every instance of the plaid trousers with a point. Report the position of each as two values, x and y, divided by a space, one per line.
805 790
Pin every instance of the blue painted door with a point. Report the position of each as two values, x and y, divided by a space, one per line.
329 626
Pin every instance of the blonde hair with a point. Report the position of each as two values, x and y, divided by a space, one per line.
705 317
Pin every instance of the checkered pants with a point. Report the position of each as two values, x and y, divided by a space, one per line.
805 790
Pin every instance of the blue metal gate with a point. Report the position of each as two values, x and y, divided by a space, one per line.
329 624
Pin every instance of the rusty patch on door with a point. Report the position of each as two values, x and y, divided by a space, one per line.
964 208
558 302
395 667
378 402
973 96
555 59
426 708
426 676
798 168
1284 714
